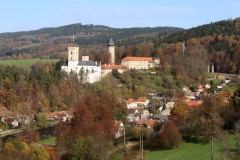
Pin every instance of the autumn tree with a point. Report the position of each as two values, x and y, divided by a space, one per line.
180 114
90 119
19 150
208 117
169 136
195 63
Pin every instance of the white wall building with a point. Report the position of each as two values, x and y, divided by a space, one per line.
140 62
87 71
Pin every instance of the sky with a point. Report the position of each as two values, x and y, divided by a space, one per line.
25 15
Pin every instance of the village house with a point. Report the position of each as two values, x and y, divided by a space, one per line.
140 102
208 86
10 121
131 103
119 129
133 115
200 88
58 116
145 114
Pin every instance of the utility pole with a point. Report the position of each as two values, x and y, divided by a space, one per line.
124 135
212 148
142 144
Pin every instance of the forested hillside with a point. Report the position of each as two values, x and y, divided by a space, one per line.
220 39
48 42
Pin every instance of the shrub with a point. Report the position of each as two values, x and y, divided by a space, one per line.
170 136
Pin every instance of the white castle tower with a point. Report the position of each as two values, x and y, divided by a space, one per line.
73 57
111 50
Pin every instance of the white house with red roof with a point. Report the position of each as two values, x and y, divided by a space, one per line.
119 129
142 101
131 103
140 62
200 88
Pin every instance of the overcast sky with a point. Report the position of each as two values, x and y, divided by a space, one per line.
25 15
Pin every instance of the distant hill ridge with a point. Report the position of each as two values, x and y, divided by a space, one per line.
224 27
87 31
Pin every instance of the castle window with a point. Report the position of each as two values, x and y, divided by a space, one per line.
71 52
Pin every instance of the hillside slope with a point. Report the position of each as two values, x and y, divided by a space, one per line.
221 39
48 40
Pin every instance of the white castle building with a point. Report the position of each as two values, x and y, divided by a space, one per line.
87 71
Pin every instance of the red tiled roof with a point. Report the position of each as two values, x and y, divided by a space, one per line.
113 66
194 104
128 58
142 99
149 122
117 124
130 100
200 87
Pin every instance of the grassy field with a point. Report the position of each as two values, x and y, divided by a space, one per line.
49 141
192 151
26 63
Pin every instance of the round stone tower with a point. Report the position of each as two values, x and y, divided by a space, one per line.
111 50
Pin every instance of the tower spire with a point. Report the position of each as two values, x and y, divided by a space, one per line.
111 50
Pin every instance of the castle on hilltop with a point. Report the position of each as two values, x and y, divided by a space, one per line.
92 71
87 71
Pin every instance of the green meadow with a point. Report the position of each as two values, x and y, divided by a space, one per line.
26 63
194 151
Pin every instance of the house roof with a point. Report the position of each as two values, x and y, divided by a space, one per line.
113 67
55 114
132 111
130 100
222 77
199 86
117 124
128 58
194 104
160 117
149 122
142 99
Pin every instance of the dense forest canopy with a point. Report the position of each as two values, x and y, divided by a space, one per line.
221 39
